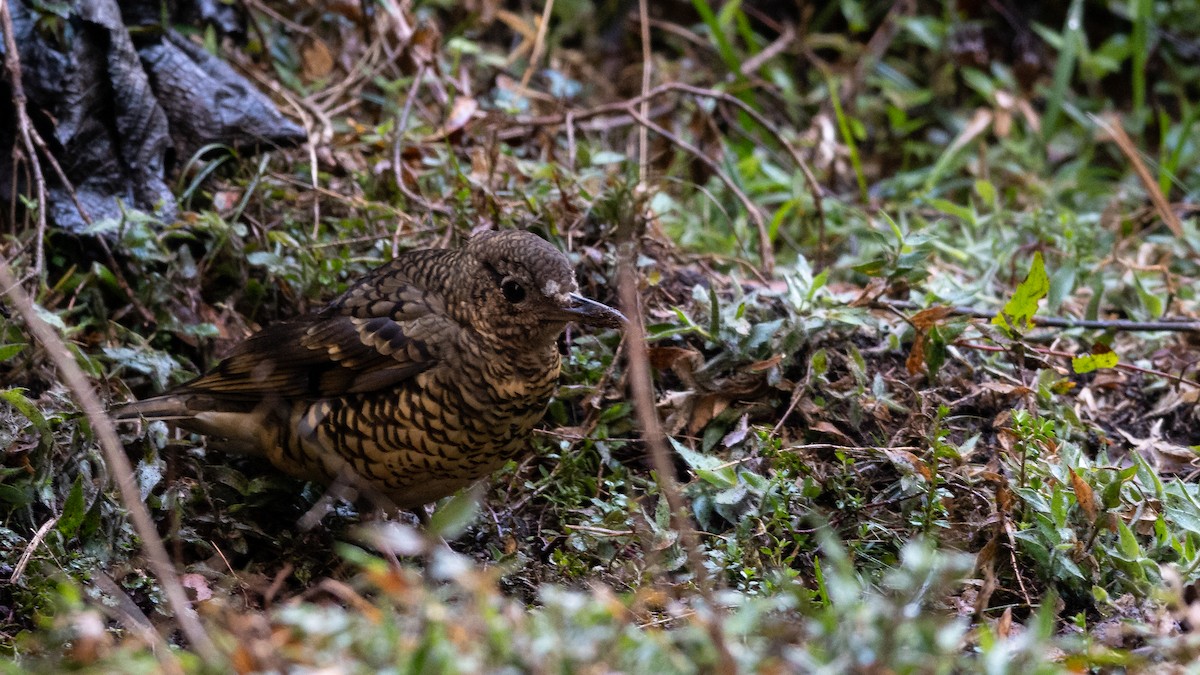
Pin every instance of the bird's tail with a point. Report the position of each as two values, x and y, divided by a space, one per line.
169 407
232 430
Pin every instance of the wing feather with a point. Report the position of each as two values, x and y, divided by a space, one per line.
359 343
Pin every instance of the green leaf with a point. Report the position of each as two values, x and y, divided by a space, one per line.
1129 546
935 352
662 514
986 191
73 511
697 461
9 351
1071 568
1089 362
607 157
452 517
871 268
1110 498
1024 302
951 209
714 308
16 398
1062 282
1153 304
16 495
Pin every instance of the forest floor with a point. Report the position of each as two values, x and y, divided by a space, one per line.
824 212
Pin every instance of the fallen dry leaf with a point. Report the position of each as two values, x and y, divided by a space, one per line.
316 60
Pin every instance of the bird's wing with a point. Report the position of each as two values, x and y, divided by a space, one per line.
374 336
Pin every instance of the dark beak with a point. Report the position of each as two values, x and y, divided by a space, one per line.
591 313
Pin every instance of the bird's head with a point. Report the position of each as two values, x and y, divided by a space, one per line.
524 290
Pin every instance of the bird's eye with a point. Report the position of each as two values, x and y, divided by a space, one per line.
513 291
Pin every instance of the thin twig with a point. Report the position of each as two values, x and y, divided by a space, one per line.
810 179
539 44
1112 125
118 465
27 554
12 62
133 619
641 388
647 61
849 448
766 251
1119 325
1042 351
772 50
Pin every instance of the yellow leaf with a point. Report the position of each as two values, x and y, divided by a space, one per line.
1089 362
1023 304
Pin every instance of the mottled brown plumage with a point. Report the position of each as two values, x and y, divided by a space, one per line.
426 375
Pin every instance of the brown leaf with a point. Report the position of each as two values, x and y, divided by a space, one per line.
426 40
1083 494
1004 625
916 356
662 358
928 318
907 462
1005 388
828 429
1004 500
765 364
461 113
985 561
316 60
874 288
198 585
706 408
347 8
980 121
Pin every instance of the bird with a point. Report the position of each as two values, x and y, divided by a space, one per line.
426 375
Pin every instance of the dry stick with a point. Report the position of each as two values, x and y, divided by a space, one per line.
118 465
134 620
638 362
539 44
1068 355
1121 325
13 64
1112 125
609 121
781 43
622 106
876 46
810 179
27 554
262 7
764 237
647 60
398 147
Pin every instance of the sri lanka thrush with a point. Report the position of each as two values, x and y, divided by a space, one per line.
426 375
